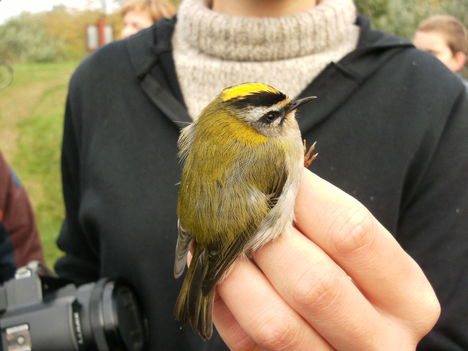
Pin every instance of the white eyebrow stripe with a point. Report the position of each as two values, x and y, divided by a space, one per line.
253 113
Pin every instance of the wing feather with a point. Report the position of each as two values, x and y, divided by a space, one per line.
182 247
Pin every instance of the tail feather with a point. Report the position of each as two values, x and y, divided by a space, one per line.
193 306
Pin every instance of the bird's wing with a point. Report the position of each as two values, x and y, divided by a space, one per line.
183 238
182 246
266 176
219 261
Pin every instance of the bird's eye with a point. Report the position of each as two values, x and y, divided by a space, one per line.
270 116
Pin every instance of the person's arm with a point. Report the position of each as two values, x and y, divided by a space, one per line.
339 280
434 227
19 238
80 263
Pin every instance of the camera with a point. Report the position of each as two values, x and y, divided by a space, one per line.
41 312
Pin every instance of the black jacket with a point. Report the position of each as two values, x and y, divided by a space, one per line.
391 125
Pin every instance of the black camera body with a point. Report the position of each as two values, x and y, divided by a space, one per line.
40 312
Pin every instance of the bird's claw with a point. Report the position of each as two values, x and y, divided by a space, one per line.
308 156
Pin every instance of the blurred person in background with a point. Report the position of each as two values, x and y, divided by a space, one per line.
19 239
140 14
446 38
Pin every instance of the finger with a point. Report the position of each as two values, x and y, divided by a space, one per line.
346 230
311 282
262 314
229 329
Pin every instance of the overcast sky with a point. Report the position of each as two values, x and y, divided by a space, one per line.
10 8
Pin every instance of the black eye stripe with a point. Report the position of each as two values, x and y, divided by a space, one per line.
261 98
270 117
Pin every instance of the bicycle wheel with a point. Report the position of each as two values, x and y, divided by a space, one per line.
6 75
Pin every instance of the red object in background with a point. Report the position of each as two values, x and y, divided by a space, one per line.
101 24
99 34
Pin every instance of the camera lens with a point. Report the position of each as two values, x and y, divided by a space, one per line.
115 316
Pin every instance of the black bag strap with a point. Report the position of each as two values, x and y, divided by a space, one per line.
165 101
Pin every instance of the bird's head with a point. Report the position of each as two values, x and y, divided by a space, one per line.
261 106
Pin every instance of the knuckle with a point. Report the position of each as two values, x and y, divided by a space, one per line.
316 290
434 313
242 344
413 326
429 314
355 231
277 333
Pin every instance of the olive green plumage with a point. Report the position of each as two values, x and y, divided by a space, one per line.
243 160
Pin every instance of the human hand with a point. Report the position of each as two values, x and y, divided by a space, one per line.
338 281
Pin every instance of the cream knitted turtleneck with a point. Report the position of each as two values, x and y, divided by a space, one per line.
213 50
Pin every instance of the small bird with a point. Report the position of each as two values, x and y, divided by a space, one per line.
243 161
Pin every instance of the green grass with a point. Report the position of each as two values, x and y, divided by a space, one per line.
31 120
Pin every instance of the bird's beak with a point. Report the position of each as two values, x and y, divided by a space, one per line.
299 102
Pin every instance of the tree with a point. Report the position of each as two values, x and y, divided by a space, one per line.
24 38
57 35
402 17
68 28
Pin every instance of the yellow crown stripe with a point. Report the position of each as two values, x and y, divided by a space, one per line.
246 89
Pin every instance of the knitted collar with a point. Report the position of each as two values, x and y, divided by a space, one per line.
242 38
